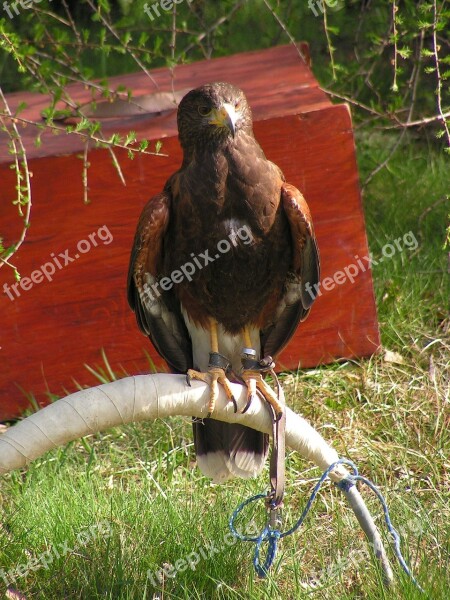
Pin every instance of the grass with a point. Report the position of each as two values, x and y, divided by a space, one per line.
389 414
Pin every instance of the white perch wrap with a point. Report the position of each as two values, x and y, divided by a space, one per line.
144 398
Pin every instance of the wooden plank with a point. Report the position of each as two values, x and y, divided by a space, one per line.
292 89
49 332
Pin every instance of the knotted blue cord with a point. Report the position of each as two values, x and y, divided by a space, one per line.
272 535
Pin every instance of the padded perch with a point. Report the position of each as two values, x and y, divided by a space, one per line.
147 397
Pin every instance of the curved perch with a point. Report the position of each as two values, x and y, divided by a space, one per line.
147 397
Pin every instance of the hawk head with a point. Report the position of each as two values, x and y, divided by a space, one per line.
212 115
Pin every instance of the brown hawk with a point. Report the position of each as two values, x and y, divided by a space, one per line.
223 267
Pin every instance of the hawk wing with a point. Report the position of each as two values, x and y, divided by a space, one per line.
300 292
157 312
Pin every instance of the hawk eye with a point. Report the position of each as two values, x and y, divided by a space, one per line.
204 111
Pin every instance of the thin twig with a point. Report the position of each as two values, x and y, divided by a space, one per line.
173 43
381 166
426 212
66 56
117 166
287 32
111 29
86 166
417 122
354 102
13 50
5 261
213 27
364 7
438 72
327 35
49 13
410 113
394 25
19 165
98 140
368 74
72 23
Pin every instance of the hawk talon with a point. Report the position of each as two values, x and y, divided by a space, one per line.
250 398
214 377
255 383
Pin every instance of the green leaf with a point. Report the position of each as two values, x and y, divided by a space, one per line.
143 39
22 106
102 36
126 38
82 124
131 137
426 7
104 4
404 52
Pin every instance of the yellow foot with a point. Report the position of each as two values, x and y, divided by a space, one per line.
213 378
254 381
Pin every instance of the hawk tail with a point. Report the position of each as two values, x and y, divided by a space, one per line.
226 450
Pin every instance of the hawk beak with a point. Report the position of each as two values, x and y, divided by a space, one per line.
225 116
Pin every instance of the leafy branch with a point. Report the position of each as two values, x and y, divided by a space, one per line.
23 183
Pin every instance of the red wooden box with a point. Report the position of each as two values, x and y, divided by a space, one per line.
49 330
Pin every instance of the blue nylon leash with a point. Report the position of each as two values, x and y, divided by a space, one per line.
272 534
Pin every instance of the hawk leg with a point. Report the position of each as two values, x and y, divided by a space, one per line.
216 374
252 374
